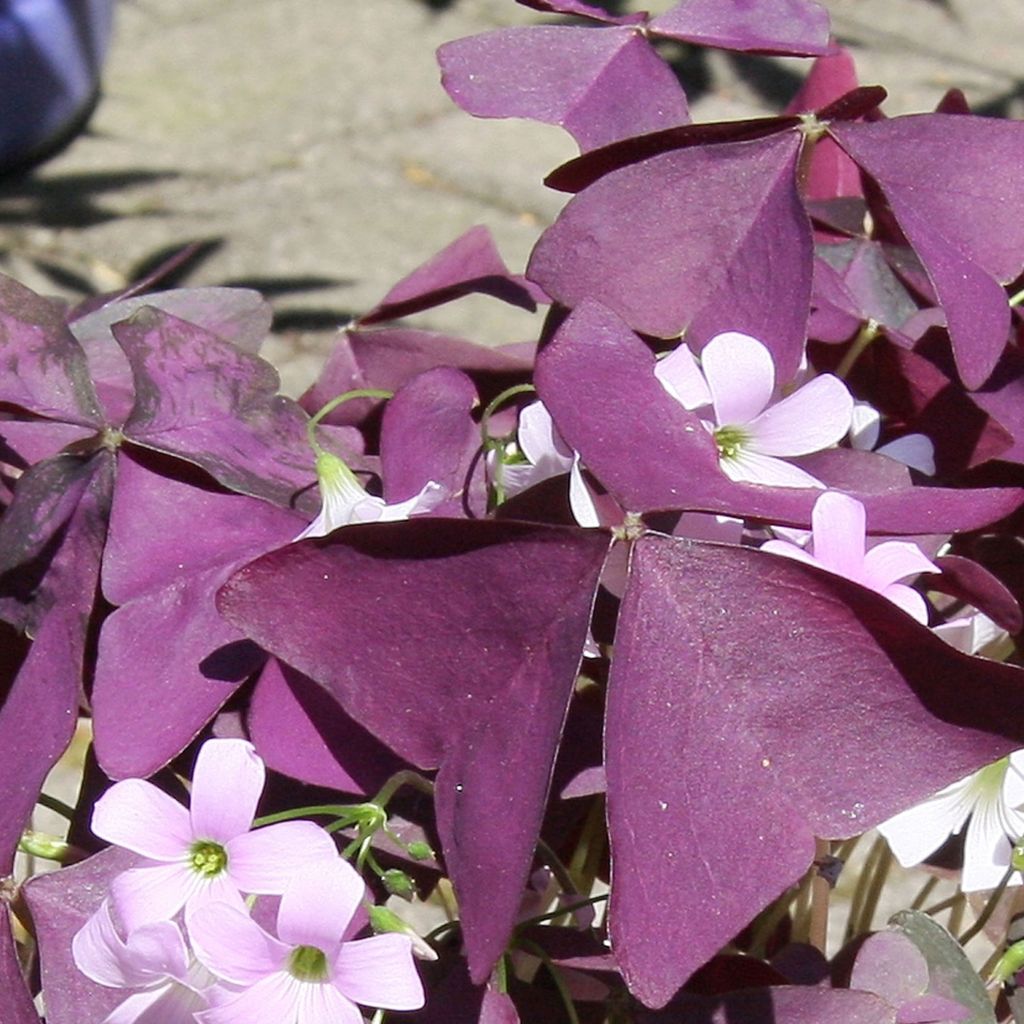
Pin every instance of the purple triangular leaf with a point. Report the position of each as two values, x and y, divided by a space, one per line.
600 85
470 264
475 684
428 434
891 966
973 583
653 243
201 399
299 729
584 10
797 1004
17 1001
713 812
45 497
595 375
877 292
39 714
167 635
953 185
763 26
497 1008
44 368
61 902
1002 398
389 357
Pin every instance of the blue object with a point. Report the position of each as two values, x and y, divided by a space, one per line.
51 53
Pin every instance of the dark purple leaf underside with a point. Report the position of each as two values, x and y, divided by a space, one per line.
754 704
45 497
428 433
200 398
299 729
891 966
953 183
42 368
470 264
714 237
17 1002
779 1005
973 583
167 660
831 172
1002 398
797 27
38 717
877 292
424 633
61 902
497 1008
600 85
584 10
597 380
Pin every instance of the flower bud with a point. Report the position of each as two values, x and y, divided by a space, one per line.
384 920
420 850
398 883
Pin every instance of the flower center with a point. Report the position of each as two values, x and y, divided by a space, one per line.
731 440
308 963
207 858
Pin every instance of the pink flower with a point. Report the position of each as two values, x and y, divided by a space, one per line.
346 501
310 972
839 535
207 852
736 378
154 960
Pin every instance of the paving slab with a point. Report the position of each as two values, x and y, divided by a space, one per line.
310 143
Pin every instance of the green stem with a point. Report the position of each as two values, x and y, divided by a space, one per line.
397 781
874 889
333 404
499 400
821 892
865 336
867 872
926 891
1016 300
988 910
590 901
586 858
51 803
767 923
938 908
562 874
331 810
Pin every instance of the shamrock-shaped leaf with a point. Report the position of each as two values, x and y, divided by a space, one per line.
600 86
417 631
776 1005
706 239
741 726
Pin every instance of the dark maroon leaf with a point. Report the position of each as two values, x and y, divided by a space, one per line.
497 1008
45 497
831 172
706 239
387 358
17 1001
43 368
581 172
469 264
599 85
779 1005
857 103
61 902
973 583
1002 398
584 10
953 185
597 380
38 716
762 26
891 966
299 729
200 398
878 293
742 722
170 547
413 628
428 434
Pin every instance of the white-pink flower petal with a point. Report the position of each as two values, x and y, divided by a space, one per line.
157 893
140 817
894 560
233 946
226 787
839 527
271 1000
318 905
753 468
681 377
740 376
267 859
812 418
380 971
324 1004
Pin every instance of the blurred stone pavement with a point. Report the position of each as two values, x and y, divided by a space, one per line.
310 144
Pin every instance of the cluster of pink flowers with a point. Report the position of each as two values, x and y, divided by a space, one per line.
188 947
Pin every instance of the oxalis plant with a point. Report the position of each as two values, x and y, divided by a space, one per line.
553 682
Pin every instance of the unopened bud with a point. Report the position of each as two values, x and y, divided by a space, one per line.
398 883
1017 857
384 920
40 844
420 850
